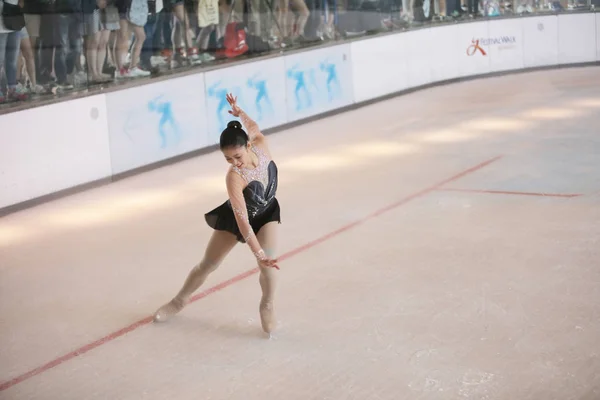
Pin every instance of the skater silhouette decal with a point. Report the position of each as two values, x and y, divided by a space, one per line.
167 120
334 88
315 85
301 93
262 102
219 92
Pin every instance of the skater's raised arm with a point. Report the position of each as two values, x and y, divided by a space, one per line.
254 133
235 186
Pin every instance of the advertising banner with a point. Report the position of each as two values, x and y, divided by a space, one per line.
51 148
259 87
157 121
474 44
446 51
576 38
505 45
540 41
318 81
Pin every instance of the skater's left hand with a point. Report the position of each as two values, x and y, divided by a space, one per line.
235 109
268 263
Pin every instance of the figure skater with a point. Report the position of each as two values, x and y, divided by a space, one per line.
251 215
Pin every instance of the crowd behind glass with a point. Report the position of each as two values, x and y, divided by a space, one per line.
49 47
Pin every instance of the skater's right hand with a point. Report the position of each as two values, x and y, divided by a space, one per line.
268 263
235 109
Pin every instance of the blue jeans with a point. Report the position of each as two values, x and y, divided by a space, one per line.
10 43
68 32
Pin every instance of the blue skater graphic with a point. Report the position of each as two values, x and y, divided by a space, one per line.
262 95
334 88
298 75
221 94
165 109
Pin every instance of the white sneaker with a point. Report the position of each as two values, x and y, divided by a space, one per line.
137 72
158 61
37 89
205 57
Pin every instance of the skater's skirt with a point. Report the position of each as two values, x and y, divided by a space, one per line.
223 219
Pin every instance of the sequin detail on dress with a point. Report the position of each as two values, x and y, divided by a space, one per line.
260 173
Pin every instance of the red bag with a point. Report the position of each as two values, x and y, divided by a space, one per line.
234 41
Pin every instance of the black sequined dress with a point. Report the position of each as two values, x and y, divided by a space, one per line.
261 204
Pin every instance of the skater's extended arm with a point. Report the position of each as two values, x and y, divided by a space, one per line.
235 187
254 133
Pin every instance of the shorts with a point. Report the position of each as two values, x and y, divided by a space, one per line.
33 23
24 33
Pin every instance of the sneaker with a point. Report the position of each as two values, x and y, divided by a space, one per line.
65 85
18 93
122 73
205 57
137 72
158 61
37 89
78 78
193 56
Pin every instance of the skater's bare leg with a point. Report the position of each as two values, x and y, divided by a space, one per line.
219 246
267 237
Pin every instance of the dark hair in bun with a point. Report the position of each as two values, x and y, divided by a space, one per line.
233 136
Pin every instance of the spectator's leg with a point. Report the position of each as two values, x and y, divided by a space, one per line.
3 40
91 42
28 55
12 51
32 24
47 44
148 46
301 9
61 67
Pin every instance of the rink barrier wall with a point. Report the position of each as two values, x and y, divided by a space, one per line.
111 136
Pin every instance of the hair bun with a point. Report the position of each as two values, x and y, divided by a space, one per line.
234 124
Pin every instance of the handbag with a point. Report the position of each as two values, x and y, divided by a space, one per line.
12 17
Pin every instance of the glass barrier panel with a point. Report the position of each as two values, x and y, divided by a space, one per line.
50 48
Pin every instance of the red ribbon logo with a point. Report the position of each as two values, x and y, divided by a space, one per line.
472 49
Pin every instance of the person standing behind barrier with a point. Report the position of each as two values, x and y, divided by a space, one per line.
29 57
68 33
183 37
9 51
39 22
292 27
208 20
96 38
133 16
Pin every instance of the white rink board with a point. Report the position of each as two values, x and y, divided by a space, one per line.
47 149
378 67
120 131
576 38
506 45
157 121
445 53
260 90
540 36
318 81
598 37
